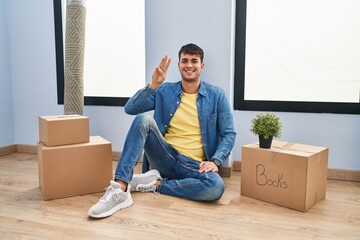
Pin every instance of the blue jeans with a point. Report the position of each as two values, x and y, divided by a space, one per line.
180 173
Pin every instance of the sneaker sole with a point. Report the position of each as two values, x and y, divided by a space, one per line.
123 205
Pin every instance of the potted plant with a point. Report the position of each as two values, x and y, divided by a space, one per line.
267 126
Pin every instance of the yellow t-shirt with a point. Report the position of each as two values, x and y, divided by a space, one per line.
183 132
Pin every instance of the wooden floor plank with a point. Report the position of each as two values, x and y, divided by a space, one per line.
24 215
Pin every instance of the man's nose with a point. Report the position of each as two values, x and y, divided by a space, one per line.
188 64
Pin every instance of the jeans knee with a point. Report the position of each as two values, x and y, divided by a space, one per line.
216 188
143 118
143 121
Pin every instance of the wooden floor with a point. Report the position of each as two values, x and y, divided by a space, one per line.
24 215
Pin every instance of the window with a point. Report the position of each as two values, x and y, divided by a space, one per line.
114 61
297 56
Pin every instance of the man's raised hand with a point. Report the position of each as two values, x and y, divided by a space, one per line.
159 73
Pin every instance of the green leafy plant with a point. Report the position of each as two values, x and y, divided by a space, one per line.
266 124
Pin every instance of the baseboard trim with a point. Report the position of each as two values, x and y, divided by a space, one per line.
23 148
344 175
115 156
237 166
226 171
333 174
8 150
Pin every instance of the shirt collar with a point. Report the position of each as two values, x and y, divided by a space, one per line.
202 89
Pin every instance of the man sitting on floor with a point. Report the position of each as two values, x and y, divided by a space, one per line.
184 144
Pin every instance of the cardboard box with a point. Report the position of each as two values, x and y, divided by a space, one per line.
73 170
289 174
63 130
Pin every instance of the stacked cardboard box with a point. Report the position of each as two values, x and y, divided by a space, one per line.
63 130
71 162
289 174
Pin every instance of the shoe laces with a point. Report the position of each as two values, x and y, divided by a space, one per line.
149 187
108 194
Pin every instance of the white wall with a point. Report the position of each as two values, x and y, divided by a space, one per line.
169 25
33 76
7 136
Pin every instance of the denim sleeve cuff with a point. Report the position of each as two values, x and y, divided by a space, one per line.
216 161
148 89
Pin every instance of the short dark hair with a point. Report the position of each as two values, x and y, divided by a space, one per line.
192 49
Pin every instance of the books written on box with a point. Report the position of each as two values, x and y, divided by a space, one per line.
77 169
289 174
63 130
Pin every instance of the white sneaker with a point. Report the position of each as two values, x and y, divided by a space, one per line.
145 182
113 200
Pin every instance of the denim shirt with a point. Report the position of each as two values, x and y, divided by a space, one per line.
214 112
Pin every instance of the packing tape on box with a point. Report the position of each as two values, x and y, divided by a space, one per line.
287 146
